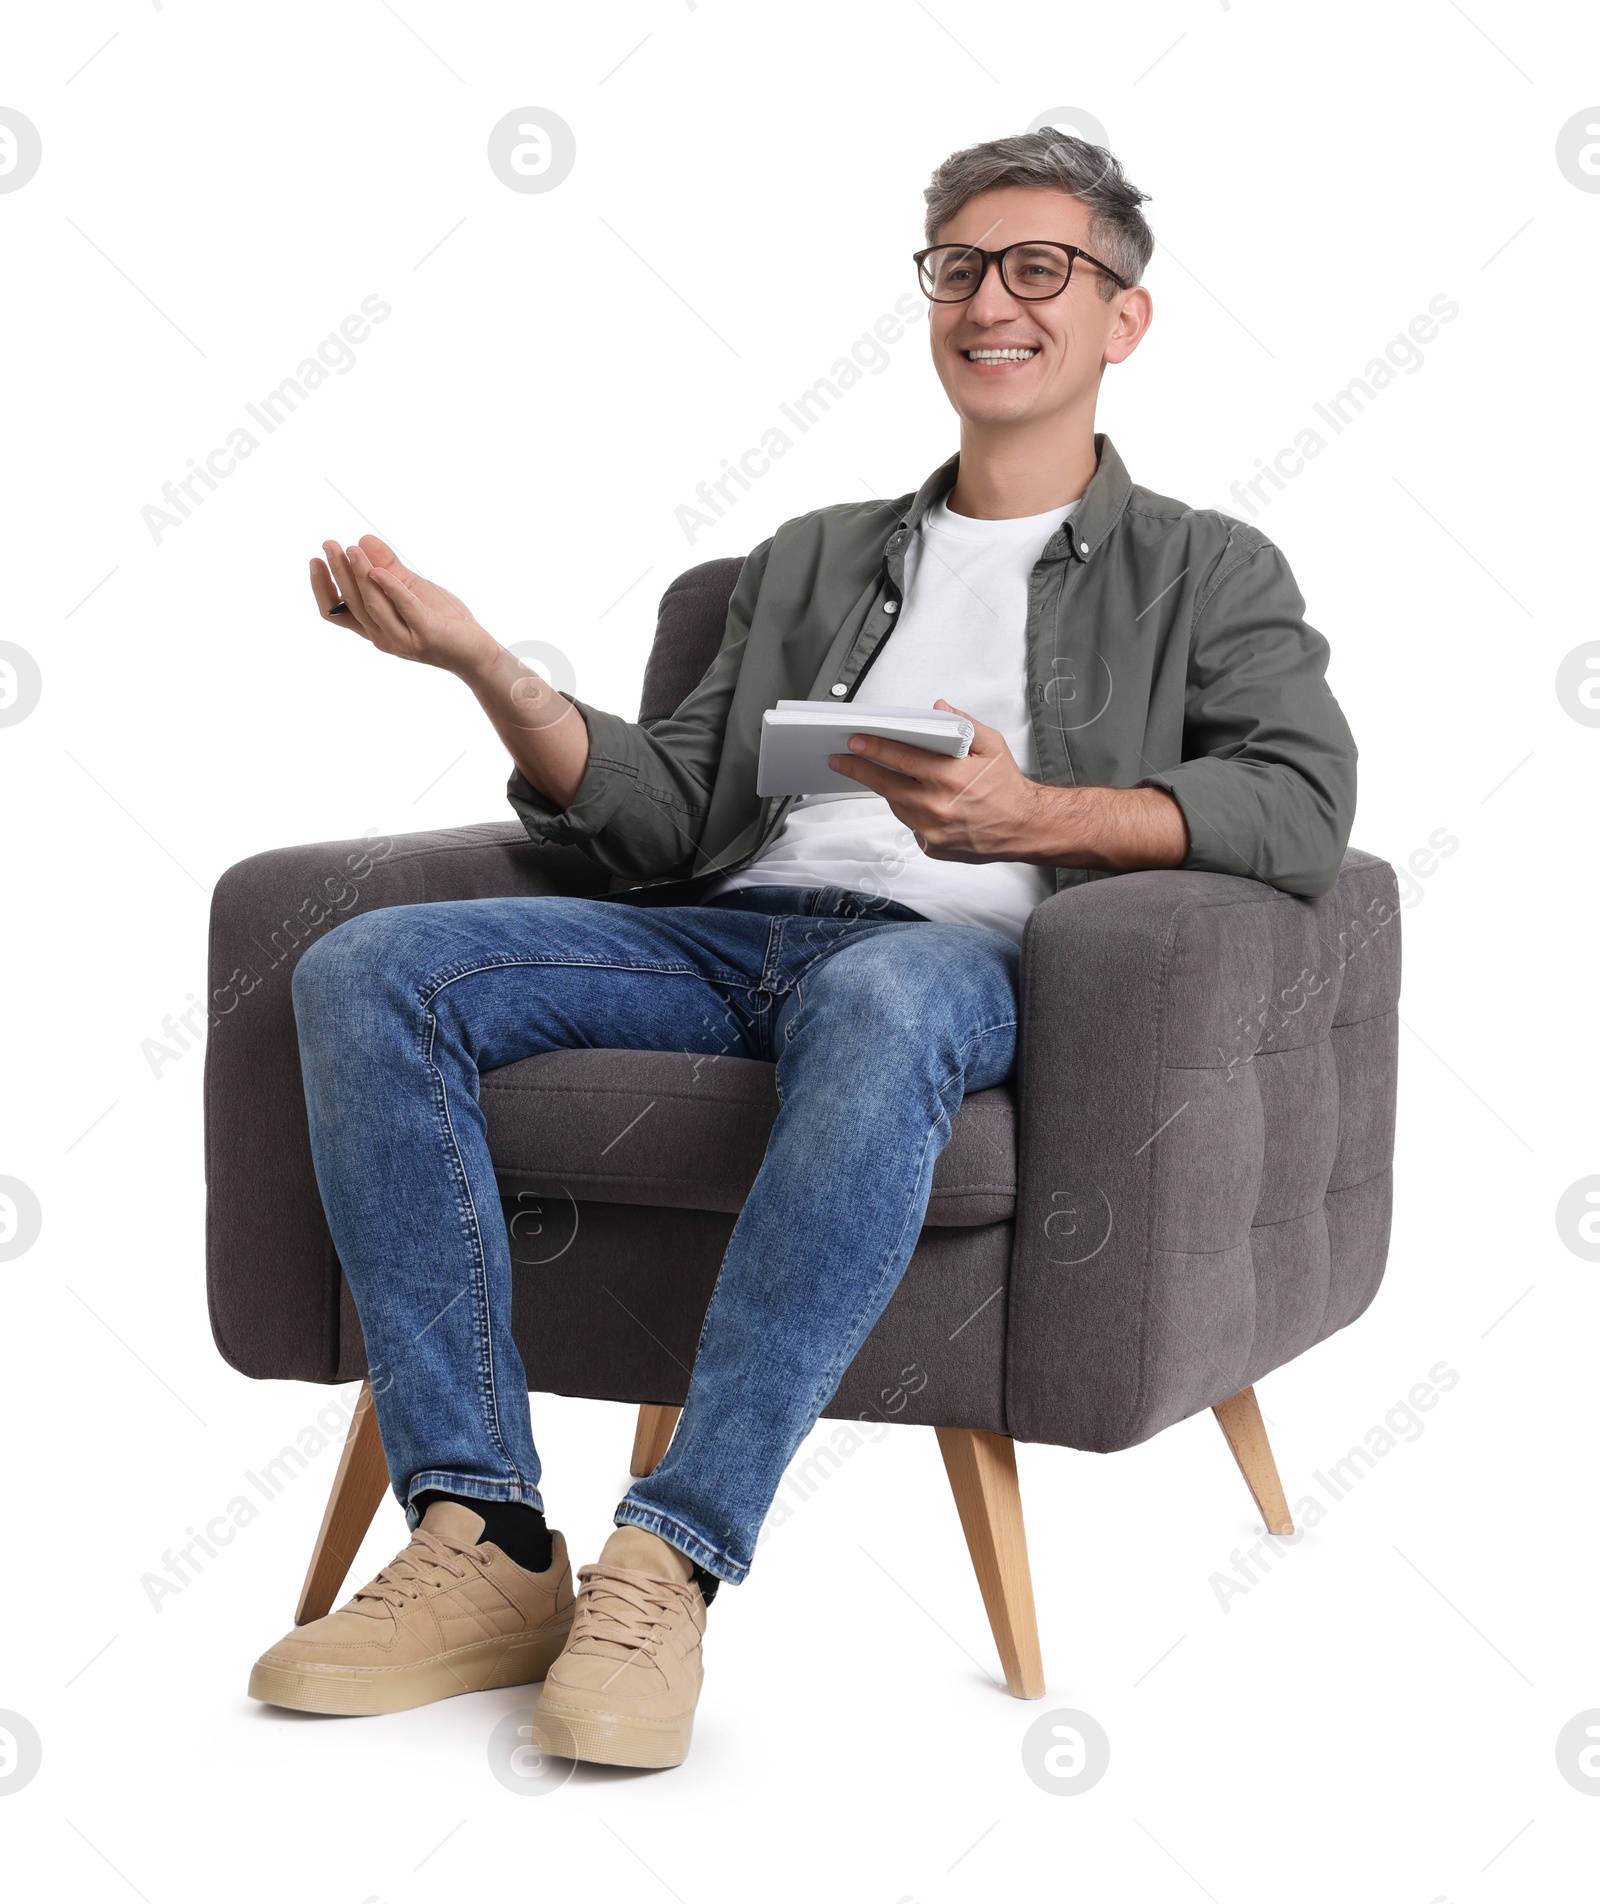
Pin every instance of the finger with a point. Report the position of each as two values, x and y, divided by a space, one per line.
921 763
385 597
364 590
985 739
882 780
345 582
322 585
339 568
381 556
389 593
330 599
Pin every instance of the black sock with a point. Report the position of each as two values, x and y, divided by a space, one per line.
515 1528
706 1582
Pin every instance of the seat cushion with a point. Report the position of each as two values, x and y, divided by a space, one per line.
683 1132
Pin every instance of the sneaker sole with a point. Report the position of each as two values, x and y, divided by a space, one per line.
613 1738
354 1693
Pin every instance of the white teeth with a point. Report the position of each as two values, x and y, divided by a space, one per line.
1000 356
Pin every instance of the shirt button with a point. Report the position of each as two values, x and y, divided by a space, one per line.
839 689
1083 548
890 607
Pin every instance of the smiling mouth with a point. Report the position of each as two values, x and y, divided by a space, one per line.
1014 355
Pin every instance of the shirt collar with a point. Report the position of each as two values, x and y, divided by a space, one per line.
1096 516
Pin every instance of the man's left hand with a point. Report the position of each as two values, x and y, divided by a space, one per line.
976 809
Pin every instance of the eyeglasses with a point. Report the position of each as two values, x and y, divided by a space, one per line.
1032 268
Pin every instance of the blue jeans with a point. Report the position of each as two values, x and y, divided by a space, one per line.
878 1022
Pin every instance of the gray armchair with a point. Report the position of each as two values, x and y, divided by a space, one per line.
1187 1186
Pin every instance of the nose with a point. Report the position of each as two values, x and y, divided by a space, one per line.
991 296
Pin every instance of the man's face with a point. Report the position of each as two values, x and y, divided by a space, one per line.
1069 338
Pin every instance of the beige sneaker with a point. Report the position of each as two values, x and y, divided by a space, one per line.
624 1691
445 1616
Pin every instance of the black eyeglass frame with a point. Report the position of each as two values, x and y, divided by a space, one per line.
997 258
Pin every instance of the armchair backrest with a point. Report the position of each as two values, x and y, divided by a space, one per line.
689 625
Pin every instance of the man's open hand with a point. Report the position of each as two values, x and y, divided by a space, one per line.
398 610
976 809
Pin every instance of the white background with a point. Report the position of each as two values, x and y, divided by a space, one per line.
220 185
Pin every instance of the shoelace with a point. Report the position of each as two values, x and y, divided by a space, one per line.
417 1568
646 1604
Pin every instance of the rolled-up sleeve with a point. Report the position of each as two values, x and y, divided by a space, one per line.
642 803
1267 784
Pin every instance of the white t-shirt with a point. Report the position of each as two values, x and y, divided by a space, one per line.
960 638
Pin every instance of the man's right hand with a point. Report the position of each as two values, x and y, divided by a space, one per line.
398 610
402 613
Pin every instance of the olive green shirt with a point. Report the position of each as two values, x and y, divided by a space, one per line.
1167 647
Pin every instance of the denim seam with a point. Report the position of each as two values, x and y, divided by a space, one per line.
1004 1024
431 987
474 1486
479 1271
772 959
799 996
686 1539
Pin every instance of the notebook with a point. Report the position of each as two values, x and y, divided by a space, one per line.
798 736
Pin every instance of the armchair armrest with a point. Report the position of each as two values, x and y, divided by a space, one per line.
271 1275
1206 1095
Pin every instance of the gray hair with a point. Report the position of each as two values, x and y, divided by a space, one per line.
1060 162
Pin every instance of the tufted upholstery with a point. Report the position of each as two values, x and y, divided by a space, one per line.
1208 1087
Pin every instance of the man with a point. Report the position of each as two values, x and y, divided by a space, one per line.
1145 694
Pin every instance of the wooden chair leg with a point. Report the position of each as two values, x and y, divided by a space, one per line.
358 1486
1240 1418
983 1477
651 1437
